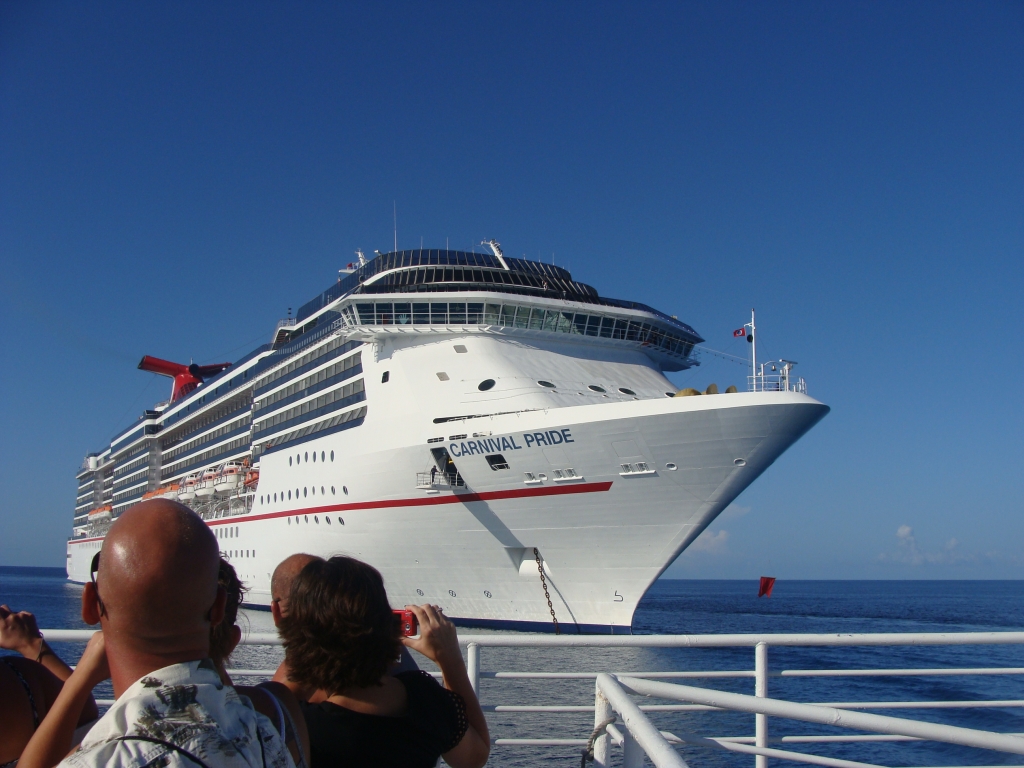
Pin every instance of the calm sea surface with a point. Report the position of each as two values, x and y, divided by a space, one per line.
707 607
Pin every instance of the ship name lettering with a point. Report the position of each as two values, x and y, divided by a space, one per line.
508 443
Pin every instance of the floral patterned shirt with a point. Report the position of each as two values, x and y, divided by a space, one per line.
182 716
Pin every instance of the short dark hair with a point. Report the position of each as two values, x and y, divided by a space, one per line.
220 635
339 631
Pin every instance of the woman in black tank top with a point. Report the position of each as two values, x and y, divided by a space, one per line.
341 639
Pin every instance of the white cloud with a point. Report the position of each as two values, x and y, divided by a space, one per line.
908 552
712 543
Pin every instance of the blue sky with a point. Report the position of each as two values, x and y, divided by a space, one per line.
173 177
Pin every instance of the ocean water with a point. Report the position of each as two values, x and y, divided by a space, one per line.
709 607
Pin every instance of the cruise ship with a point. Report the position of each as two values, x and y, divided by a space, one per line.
492 435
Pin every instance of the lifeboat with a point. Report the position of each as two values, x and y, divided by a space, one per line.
171 491
229 477
100 513
252 478
204 486
188 487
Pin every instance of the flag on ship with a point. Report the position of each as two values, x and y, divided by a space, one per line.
767 584
739 332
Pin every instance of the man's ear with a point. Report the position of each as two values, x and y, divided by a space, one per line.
275 611
217 610
90 604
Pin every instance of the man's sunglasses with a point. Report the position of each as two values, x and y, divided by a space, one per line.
92 577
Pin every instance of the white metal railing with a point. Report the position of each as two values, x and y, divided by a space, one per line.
632 730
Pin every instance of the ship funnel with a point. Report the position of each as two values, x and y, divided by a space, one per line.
186 377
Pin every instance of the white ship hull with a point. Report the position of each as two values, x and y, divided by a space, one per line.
603 538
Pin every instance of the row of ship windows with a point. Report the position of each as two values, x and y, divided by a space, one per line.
270 498
204 457
236 405
299 456
310 405
518 316
332 370
316 519
309 357
207 438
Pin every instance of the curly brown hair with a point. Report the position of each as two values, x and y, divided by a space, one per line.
339 631
220 635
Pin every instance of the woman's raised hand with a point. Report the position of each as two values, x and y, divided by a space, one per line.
93 664
438 640
18 632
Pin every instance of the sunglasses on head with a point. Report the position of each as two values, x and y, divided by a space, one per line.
92 577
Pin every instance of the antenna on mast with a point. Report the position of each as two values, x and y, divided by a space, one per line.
395 204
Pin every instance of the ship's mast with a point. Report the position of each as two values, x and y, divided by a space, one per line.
753 345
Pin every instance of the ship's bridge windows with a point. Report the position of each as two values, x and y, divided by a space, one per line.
486 384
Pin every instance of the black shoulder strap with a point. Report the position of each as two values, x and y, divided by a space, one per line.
167 744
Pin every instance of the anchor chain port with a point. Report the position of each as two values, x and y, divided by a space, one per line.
543 583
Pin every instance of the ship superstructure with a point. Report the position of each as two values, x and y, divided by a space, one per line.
482 429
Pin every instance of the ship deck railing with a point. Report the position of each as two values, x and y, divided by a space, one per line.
439 480
776 382
621 702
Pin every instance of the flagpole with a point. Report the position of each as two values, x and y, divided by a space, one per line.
753 348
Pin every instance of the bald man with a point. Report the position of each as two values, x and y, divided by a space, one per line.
156 596
280 587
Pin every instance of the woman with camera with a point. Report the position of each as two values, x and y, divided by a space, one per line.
341 637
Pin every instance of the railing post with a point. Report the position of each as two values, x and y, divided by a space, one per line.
602 712
761 691
473 666
632 752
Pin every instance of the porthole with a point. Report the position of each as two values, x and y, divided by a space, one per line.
314 457
305 518
595 388
341 520
451 592
332 455
344 489
313 489
672 467
486 384
322 456
289 521
307 457
289 495
275 497
740 462
316 519
625 391
385 377
419 592
261 501
547 384
486 593
322 491
296 493
289 461
327 519
304 493
298 458
332 490
670 394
